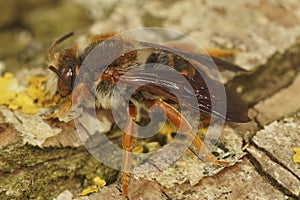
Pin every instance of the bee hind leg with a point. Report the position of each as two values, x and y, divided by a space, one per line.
178 120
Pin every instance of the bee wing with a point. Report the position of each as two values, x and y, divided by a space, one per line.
236 108
170 87
203 59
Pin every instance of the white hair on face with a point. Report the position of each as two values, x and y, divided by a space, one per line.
52 78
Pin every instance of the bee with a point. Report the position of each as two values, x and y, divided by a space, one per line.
119 56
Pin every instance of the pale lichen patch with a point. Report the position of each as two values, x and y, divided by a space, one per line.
32 128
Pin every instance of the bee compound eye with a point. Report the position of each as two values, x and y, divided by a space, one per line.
67 59
64 83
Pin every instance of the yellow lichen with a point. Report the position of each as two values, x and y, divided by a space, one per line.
24 102
152 146
138 149
167 130
9 87
296 157
35 90
15 96
89 190
98 183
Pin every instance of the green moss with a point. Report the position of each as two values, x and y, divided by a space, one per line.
29 172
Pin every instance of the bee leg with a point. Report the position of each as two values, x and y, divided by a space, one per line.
82 95
127 141
63 109
178 120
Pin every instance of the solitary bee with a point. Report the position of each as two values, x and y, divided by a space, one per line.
116 57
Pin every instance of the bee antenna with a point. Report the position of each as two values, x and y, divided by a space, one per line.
60 76
57 42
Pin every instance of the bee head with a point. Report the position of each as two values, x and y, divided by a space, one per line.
67 67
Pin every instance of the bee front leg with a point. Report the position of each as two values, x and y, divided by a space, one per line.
127 141
179 121
82 95
63 109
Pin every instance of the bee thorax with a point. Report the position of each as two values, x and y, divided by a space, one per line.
108 95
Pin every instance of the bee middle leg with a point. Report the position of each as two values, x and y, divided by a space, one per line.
178 120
